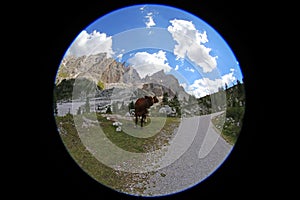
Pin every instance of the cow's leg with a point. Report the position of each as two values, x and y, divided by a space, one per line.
142 120
145 118
136 119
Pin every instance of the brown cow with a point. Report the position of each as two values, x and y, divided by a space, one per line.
141 107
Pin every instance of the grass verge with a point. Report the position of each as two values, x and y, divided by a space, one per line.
132 183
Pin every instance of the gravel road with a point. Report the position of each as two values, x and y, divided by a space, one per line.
206 151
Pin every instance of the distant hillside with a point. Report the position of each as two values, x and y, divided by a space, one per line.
230 123
235 97
75 88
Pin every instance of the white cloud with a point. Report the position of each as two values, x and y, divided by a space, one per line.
190 43
183 85
206 86
142 8
189 69
120 57
93 43
147 64
229 78
150 22
176 67
118 54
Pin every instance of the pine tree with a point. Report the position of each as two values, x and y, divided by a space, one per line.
108 110
165 100
131 106
175 104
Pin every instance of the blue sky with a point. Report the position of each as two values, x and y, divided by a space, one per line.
157 37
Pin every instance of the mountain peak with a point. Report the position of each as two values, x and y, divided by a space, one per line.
108 71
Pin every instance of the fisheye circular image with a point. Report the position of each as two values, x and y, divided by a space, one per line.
149 100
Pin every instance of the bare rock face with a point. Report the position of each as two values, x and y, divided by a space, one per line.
158 89
97 68
168 83
114 74
131 76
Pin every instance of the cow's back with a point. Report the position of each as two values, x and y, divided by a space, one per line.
141 106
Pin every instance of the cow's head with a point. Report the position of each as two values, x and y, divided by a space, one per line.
155 99
151 100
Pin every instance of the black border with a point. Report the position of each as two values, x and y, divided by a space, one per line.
243 171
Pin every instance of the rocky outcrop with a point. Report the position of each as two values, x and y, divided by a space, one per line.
95 67
158 89
113 74
167 82
131 76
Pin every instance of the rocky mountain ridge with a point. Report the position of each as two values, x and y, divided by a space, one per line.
113 74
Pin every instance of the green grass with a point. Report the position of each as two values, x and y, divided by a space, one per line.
117 180
84 158
126 139
229 124
63 75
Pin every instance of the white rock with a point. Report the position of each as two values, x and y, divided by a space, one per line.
118 129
